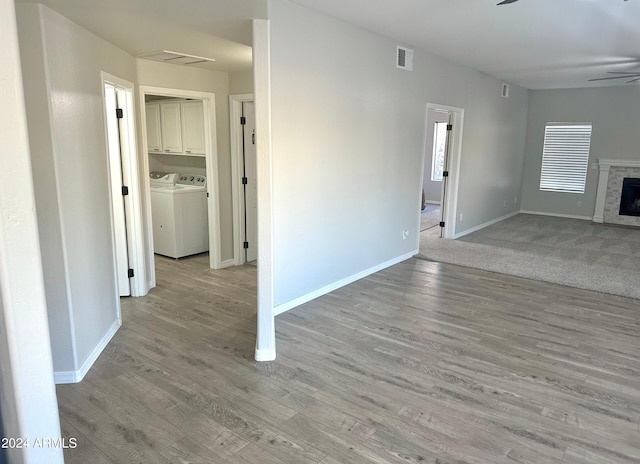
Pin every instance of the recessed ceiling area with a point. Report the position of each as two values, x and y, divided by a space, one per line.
219 29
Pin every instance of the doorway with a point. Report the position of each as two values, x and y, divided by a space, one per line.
244 181
172 147
126 211
441 167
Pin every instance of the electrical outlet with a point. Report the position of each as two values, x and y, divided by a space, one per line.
579 203
460 217
505 203
405 234
515 200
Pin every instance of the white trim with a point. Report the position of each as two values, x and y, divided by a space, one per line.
63 377
209 104
568 216
266 330
235 112
604 166
227 263
486 224
265 355
341 283
620 163
430 202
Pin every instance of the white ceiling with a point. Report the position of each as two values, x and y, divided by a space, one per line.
534 43
219 29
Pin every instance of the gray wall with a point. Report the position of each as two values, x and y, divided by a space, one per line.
71 164
348 131
614 112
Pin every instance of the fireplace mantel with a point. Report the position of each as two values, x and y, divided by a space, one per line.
604 166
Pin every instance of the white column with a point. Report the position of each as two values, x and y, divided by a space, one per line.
603 180
27 393
266 333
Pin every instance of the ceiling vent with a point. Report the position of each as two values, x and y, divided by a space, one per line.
167 56
404 58
505 90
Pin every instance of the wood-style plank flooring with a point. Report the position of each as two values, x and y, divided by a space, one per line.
419 363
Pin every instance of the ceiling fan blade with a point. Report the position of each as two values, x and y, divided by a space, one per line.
607 78
634 80
506 2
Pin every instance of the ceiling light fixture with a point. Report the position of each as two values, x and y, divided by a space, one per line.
168 56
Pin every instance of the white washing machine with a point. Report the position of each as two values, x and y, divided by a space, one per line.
179 210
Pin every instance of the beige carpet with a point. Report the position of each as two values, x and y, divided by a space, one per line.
570 252
430 217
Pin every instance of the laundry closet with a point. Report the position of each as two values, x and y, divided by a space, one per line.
177 166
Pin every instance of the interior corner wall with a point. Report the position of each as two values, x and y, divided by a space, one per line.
614 113
157 74
75 165
45 184
240 82
348 130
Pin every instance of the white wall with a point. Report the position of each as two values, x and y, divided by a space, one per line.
73 166
240 82
614 112
348 131
28 406
432 188
157 74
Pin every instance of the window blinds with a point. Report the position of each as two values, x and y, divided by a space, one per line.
565 157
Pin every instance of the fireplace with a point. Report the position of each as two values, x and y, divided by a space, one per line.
630 197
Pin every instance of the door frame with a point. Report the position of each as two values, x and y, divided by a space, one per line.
450 203
235 112
211 160
131 178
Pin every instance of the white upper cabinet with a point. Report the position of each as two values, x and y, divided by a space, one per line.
193 128
154 137
171 127
176 127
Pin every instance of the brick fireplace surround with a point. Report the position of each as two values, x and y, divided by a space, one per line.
612 173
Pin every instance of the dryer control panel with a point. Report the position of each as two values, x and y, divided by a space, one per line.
192 179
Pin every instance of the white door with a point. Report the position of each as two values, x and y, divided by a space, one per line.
170 121
250 187
117 198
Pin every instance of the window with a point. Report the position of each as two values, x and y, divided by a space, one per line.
439 144
565 157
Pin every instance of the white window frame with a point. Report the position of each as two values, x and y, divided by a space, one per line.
565 157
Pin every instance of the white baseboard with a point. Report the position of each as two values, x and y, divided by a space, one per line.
62 377
486 224
568 216
341 283
265 355
227 263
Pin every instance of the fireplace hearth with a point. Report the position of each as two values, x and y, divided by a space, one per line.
630 197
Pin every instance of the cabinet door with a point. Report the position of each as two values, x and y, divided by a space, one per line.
193 128
154 138
171 127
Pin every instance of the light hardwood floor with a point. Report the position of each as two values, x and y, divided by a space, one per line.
419 363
